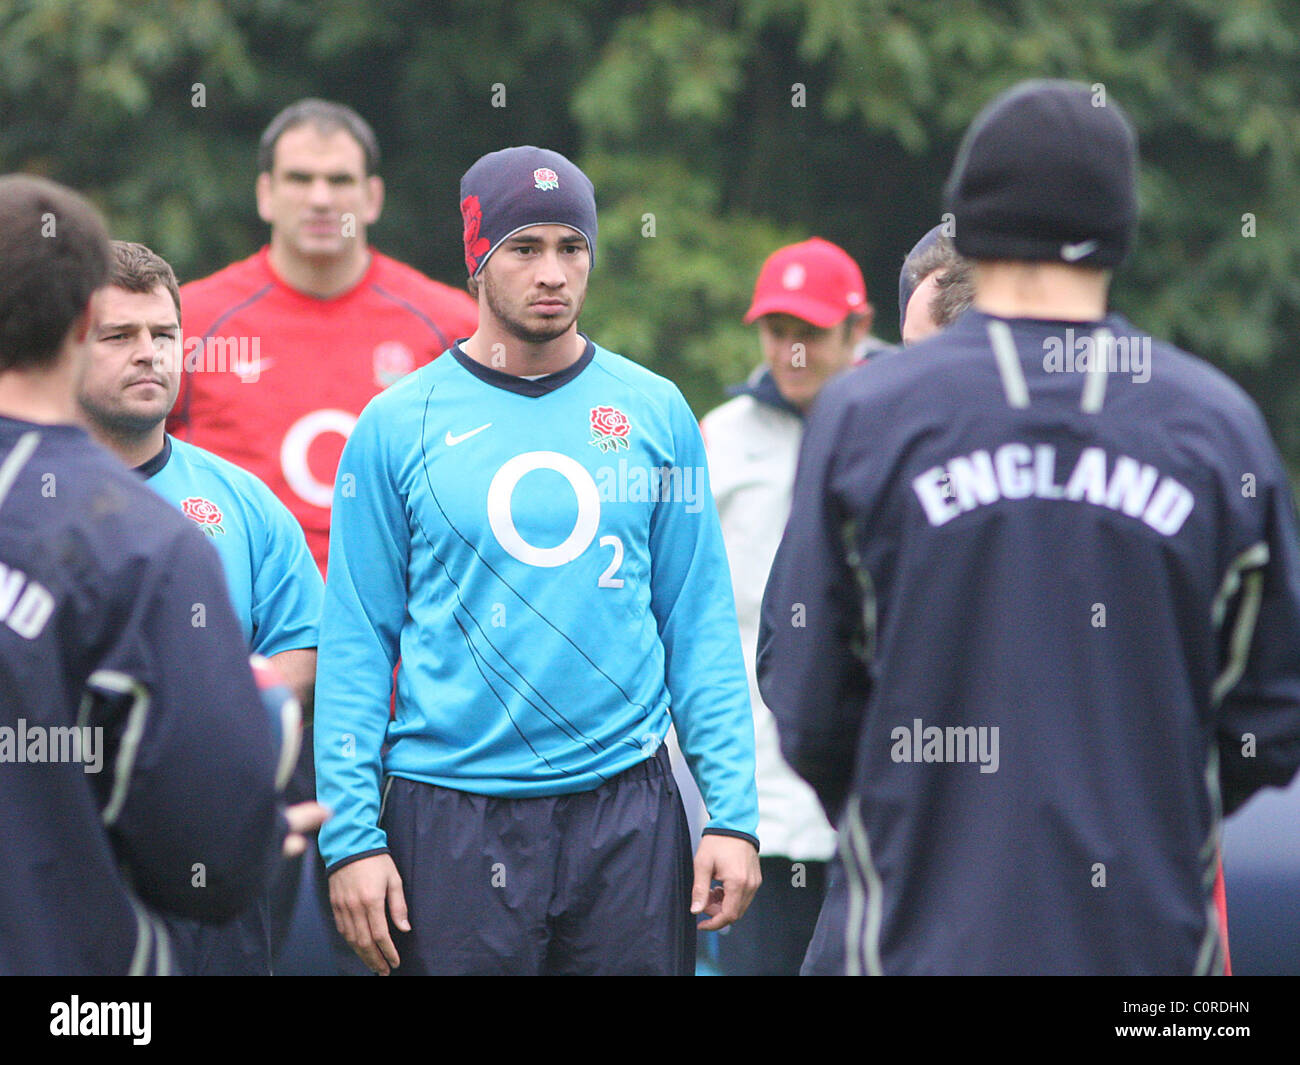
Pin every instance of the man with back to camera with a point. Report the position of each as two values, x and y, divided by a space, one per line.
935 285
527 523
810 307
125 396
295 340
1026 701
162 794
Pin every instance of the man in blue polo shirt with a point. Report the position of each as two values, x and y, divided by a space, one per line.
125 396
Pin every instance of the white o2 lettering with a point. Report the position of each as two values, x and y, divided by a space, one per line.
500 518
607 579
298 441
502 521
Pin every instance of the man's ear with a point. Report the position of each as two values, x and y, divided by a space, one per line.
83 325
862 325
374 199
263 192
78 342
865 323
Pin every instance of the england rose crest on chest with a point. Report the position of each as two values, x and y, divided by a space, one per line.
393 360
610 429
205 514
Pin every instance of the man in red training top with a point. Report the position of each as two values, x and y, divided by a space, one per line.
283 349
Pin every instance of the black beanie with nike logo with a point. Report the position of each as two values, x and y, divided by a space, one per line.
1046 172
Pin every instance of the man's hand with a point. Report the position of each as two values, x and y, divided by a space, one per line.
303 817
358 893
733 861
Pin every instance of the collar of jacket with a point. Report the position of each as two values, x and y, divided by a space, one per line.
761 386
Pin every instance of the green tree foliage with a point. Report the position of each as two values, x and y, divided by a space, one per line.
714 130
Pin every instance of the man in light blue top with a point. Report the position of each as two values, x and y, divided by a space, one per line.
275 587
526 524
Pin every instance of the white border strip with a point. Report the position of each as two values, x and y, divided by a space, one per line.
1248 562
1094 385
862 945
1013 377
16 460
121 683
143 936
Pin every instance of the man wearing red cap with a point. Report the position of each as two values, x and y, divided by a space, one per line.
811 307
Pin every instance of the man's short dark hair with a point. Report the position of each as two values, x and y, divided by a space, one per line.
54 254
326 117
137 269
940 255
956 283
955 292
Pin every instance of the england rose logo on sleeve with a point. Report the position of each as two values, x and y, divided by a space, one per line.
609 428
204 513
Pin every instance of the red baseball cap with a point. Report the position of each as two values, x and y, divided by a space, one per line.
815 280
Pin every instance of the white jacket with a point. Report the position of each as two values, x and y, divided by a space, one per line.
753 447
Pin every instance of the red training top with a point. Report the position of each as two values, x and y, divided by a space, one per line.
274 379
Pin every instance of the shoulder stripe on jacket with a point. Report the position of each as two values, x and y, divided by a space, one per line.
1009 369
16 460
121 684
1094 385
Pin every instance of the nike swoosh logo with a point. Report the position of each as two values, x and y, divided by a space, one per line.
253 368
1072 253
452 441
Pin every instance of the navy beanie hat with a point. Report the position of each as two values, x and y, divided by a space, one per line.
515 188
1046 172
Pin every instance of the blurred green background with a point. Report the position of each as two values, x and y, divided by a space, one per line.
725 129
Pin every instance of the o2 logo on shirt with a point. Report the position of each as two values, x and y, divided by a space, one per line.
501 519
297 444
